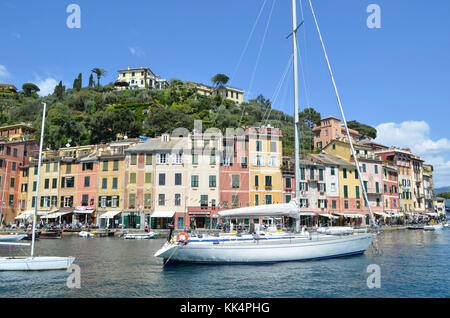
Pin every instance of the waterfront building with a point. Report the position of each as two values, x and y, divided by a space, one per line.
428 187
203 179
288 174
110 181
139 178
418 193
401 158
265 151
439 205
234 172
140 78
371 173
170 179
13 156
391 199
331 128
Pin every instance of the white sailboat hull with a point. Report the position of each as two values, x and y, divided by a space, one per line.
12 237
35 263
266 252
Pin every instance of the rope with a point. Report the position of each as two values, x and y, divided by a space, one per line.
261 48
172 254
248 41
278 89
343 117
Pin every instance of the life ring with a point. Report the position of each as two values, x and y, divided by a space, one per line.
182 237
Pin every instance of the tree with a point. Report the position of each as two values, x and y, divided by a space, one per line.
77 83
366 131
29 89
220 80
99 72
310 117
59 91
91 82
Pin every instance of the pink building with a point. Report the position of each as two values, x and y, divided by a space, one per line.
234 173
330 128
86 189
390 189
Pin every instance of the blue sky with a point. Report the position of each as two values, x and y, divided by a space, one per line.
395 78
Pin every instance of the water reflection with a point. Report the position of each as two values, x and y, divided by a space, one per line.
413 264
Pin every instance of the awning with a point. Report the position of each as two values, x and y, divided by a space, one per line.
25 215
397 215
307 214
57 215
109 214
433 214
350 215
382 214
329 216
163 214
83 211
199 212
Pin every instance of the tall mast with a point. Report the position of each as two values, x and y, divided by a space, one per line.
3 193
296 107
38 178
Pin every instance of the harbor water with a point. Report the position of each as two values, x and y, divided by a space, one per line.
412 263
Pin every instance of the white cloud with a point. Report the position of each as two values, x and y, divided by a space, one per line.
4 72
136 51
416 136
46 86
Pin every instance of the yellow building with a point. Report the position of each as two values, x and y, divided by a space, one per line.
265 151
16 132
233 94
140 78
110 185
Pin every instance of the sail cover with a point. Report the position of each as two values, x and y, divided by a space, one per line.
273 210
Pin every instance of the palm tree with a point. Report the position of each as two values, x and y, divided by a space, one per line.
99 72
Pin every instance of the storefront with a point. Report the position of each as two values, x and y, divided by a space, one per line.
161 219
83 215
110 219
201 220
132 220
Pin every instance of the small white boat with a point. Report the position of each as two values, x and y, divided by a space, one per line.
86 234
140 236
35 263
434 227
12 237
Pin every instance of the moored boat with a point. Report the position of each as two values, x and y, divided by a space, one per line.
12 237
51 234
35 263
86 234
139 236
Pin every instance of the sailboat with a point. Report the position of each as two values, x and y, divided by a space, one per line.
31 263
260 246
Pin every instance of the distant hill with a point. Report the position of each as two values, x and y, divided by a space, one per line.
441 190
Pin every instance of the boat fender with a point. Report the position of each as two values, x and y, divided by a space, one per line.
182 237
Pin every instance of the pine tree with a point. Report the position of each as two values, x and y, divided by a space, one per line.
59 91
91 81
